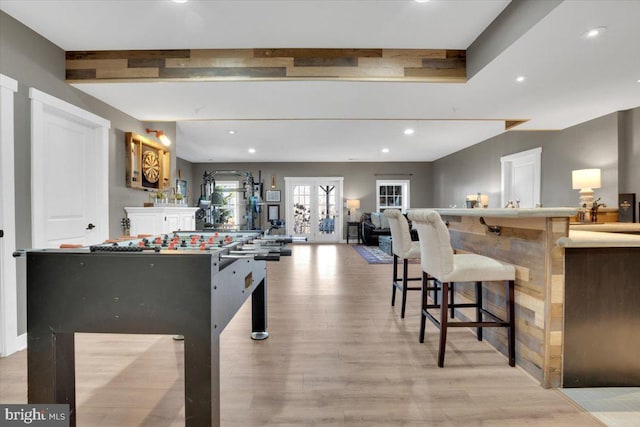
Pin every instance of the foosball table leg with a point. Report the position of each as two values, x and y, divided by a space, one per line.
259 312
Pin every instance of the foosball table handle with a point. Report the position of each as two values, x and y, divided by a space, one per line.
268 257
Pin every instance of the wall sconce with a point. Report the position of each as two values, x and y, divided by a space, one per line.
585 180
352 204
273 181
161 136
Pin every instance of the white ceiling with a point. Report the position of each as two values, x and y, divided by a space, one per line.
569 79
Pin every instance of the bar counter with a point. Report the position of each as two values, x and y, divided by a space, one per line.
535 242
511 212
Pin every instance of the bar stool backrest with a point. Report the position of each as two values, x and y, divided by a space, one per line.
436 253
400 235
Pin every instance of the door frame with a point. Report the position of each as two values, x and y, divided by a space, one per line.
43 106
10 339
507 162
314 181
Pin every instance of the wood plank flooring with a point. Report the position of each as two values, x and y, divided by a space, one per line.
338 355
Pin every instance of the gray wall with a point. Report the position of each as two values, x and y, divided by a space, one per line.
184 169
36 62
359 178
593 144
629 149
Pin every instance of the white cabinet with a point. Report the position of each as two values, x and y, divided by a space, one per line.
161 220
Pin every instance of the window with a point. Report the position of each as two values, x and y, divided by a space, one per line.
229 196
392 194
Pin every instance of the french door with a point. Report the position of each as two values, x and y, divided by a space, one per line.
314 208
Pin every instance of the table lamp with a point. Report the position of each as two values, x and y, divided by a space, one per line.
585 180
352 204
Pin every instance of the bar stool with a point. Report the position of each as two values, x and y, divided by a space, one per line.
439 262
404 248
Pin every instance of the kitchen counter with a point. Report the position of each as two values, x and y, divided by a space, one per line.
598 239
601 300
609 227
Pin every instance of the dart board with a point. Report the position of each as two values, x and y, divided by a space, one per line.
151 166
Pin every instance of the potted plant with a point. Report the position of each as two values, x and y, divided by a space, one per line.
160 197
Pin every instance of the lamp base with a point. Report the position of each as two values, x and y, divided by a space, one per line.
586 197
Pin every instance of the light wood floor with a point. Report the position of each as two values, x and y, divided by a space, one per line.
338 355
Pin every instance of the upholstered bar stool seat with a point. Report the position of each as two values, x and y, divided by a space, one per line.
405 249
469 267
439 262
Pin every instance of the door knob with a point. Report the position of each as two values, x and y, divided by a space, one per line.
90 226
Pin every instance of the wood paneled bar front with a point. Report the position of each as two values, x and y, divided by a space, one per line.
526 238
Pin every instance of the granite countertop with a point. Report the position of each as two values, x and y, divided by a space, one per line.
597 239
509 212
615 227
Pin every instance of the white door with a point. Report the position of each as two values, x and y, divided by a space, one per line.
521 178
12 313
69 173
314 208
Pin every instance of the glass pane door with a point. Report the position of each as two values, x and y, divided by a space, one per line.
313 208
326 210
301 210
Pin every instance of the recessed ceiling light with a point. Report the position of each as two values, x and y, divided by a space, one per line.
421 1
252 150
594 32
232 132
179 1
385 150
409 131
520 79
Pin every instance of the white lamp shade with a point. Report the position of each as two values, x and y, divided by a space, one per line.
353 203
585 178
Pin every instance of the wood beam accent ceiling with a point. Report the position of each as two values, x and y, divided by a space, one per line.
410 65
317 53
508 124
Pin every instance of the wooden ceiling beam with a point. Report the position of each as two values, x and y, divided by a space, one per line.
410 65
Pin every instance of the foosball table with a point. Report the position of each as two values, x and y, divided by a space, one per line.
189 284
